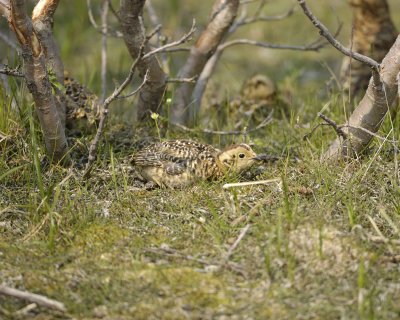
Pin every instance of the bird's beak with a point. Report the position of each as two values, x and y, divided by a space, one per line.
260 157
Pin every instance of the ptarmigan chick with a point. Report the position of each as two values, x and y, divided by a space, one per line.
179 163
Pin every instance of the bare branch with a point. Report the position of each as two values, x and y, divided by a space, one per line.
38 82
145 79
223 14
334 125
12 72
112 9
311 47
371 110
33 298
328 36
90 13
181 80
211 64
261 18
175 50
186 37
263 124
155 31
104 114
42 19
176 254
339 130
151 95
247 1
104 26
236 243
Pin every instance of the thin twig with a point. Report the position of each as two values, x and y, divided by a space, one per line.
145 79
176 254
184 39
247 1
104 13
175 50
369 132
236 243
311 47
263 124
107 32
112 9
379 239
90 13
12 72
249 183
375 226
181 80
155 21
392 258
155 31
104 113
260 18
334 125
32 297
311 132
340 132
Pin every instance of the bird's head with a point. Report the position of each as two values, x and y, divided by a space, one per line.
237 158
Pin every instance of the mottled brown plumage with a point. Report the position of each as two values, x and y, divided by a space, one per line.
179 163
82 106
258 98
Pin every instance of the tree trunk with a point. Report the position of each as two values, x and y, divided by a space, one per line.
369 114
151 95
42 19
223 14
373 35
38 82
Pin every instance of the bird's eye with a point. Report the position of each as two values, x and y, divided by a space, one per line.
241 155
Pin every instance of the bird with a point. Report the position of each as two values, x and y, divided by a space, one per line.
181 163
82 106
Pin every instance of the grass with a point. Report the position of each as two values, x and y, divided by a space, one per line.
109 249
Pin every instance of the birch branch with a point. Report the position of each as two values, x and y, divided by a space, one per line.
211 64
151 95
371 111
43 20
33 298
104 26
38 82
223 14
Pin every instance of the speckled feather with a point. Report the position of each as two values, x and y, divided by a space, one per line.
177 163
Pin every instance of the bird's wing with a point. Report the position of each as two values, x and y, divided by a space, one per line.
186 149
173 165
147 159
